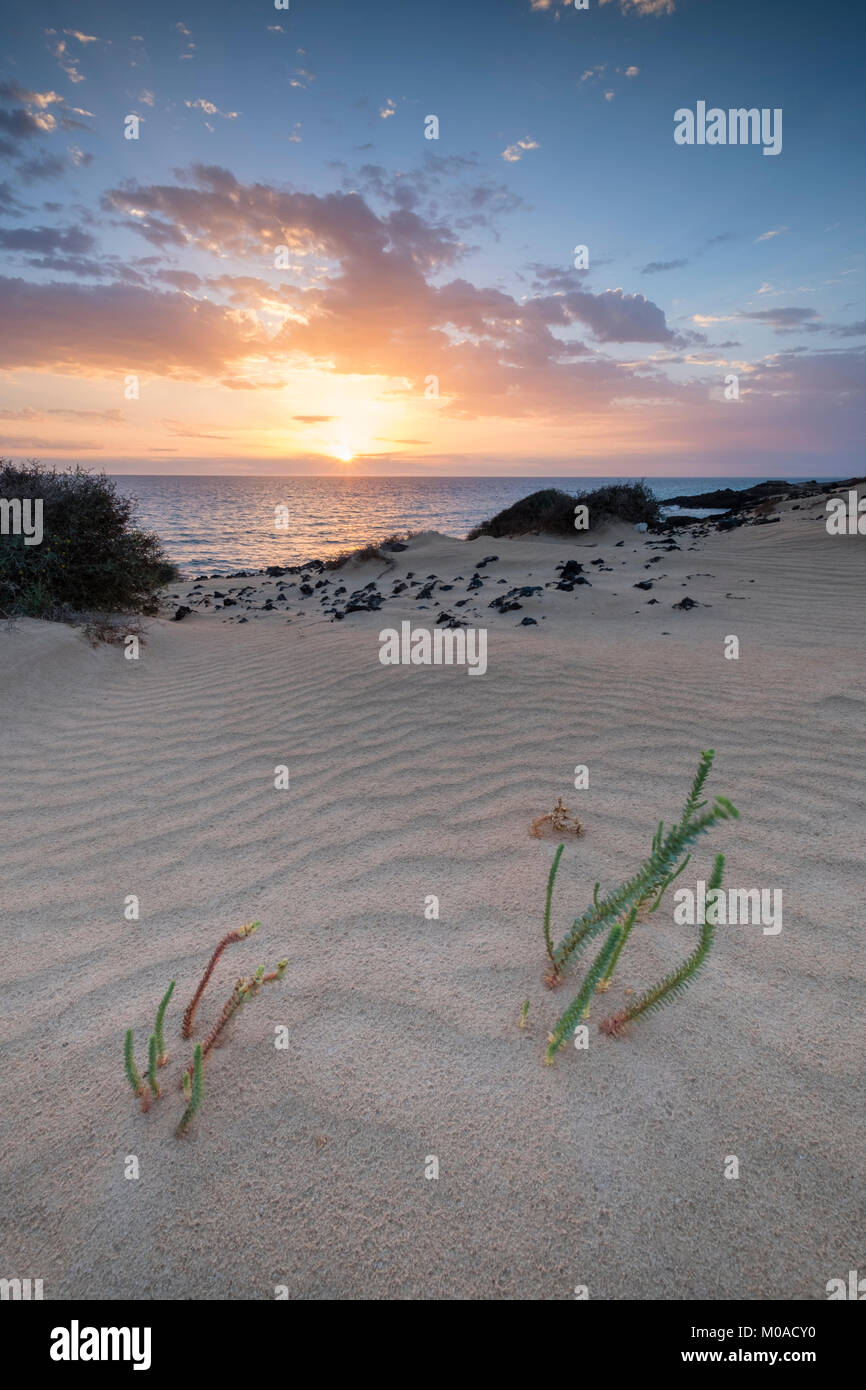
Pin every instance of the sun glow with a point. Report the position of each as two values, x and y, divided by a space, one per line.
343 453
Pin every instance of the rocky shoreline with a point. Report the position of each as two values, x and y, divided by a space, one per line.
774 489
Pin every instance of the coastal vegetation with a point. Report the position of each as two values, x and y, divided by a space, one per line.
87 556
635 899
147 1088
552 511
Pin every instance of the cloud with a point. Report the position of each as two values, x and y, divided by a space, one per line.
107 417
43 166
513 153
779 318
30 444
60 49
210 110
314 419
374 295
47 241
656 267
849 330
120 329
768 236
388 109
645 7
185 33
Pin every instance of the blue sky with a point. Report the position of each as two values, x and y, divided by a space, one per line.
413 258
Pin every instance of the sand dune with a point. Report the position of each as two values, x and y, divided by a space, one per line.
306 1166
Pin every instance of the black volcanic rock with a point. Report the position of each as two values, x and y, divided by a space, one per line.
570 570
181 612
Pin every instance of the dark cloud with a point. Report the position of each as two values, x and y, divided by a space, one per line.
779 318
47 240
656 267
43 166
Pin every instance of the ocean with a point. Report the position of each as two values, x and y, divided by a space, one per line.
219 524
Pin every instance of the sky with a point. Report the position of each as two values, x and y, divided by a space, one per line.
345 238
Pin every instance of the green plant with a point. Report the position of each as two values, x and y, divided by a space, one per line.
619 912
237 935
162 1055
196 1092
132 1074
674 983
151 1068
193 1077
524 1014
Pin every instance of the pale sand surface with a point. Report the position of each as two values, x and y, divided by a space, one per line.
156 778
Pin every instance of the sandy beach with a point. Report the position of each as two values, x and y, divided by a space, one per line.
304 1170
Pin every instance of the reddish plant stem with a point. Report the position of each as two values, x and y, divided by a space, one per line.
237 935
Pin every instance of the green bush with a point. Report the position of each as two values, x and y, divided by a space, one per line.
551 510
92 557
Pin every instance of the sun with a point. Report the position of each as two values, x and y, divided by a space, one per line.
342 453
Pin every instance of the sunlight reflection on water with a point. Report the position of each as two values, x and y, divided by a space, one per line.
216 523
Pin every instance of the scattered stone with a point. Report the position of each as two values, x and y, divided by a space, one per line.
685 604
180 613
644 584
570 569
527 622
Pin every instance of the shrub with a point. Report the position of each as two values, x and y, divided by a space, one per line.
552 511
92 556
